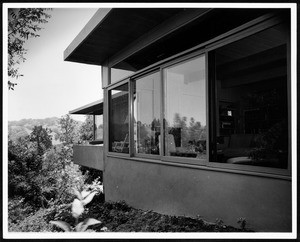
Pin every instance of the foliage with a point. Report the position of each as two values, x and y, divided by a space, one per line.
68 130
35 222
83 198
41 136
17 209
271 142
41 173
242 222
91 174
23 127
191 133
87 129
23 23
59 174
24 166
41 176
120 217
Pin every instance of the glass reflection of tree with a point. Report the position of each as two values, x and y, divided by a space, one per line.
192 136
148 141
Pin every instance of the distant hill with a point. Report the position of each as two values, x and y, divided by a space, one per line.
24 127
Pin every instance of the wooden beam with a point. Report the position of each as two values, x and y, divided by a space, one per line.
96 20
158 32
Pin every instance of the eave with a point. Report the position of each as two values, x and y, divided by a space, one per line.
94 108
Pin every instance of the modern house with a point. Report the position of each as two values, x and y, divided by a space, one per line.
196 111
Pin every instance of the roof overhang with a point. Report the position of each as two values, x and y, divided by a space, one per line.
94 108
111 30
134 38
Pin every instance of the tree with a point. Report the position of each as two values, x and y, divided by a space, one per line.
23 23
87 129
25 162
68 130
42 137
195 130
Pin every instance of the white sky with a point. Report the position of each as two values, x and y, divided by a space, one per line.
50 86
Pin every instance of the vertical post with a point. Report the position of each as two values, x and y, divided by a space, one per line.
162 114
131 115
211 107
105 76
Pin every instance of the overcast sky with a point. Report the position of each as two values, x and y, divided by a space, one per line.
50 86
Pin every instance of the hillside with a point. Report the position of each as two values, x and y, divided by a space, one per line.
24 127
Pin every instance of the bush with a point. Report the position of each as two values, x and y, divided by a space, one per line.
91 174
34 223
18 210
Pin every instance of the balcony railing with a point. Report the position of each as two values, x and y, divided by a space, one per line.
89 156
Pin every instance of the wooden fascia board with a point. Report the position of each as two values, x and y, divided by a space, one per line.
88 106
97 19
157 33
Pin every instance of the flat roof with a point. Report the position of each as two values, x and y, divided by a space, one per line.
91 108
110 30
134 38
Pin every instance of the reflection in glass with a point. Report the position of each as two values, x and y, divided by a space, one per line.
185 109
146 114
98 125
251 100
119 120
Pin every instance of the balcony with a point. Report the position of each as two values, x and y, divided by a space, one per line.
89 156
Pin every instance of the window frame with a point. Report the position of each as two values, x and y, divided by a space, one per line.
109 89
210 50
96 141
133 80
206 49
181 60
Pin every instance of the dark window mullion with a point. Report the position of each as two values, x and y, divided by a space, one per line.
131 119
162 113
212 106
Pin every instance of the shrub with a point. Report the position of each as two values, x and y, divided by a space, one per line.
83 198
33 223
18 210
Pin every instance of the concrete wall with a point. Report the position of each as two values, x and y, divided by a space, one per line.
264 202
89 156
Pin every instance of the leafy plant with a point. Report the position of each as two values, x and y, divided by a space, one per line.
242 222
219 222
23 23
83 198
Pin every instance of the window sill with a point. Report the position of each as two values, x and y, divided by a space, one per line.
263 172
96 142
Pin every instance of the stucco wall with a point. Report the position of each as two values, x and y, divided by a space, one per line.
89 156
264 202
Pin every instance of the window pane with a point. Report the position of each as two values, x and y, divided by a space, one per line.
251 100
119 120
98 127
147 114
185 109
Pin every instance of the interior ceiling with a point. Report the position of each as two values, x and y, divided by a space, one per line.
252 45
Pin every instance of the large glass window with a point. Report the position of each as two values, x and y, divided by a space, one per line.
185 109
251 102
147 114
248 106
98 127
119 120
